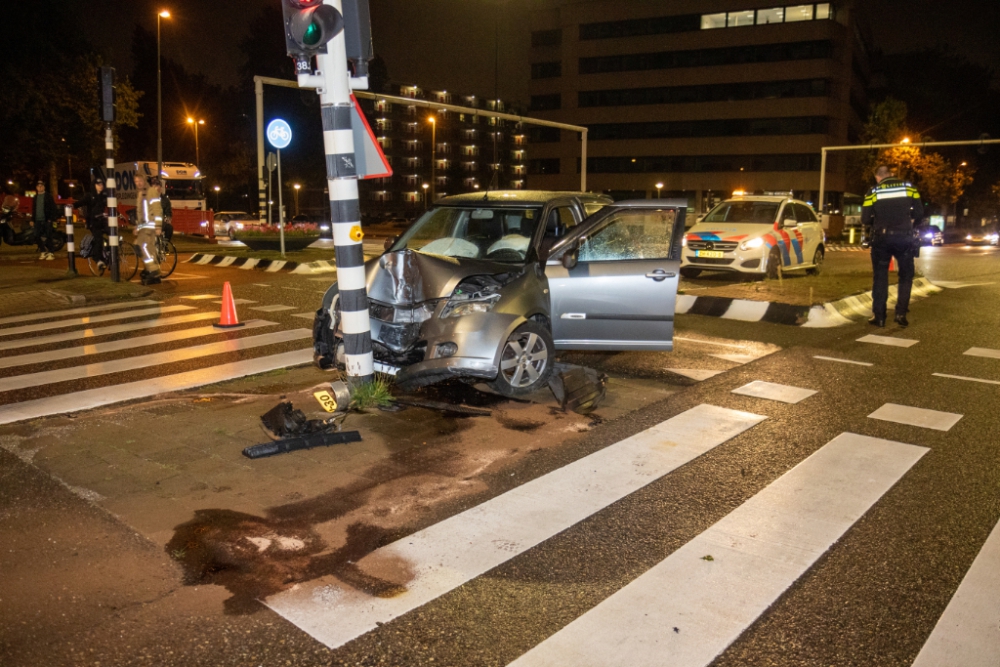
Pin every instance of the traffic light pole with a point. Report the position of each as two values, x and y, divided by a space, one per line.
345 209
109 185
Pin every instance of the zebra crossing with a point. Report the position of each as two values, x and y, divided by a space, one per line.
58 361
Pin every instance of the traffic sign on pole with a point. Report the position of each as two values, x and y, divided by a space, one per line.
279 133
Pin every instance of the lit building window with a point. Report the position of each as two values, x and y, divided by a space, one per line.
737 19
710 21
823 11
792 14
799 13
774 15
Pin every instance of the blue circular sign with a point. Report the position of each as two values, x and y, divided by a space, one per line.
279 133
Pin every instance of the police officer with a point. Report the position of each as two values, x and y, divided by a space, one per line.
888 215
96 216
149 225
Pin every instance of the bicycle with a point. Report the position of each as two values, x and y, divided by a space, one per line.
166 257
127 261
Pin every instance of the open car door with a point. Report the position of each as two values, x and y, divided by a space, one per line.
613 281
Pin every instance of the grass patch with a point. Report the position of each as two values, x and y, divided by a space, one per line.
376 394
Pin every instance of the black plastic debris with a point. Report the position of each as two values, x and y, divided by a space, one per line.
453 408
305 442
284 420
577 388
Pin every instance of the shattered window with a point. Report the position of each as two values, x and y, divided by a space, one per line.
498 233
631 234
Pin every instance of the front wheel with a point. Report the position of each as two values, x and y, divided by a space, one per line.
167 257
773 263
526 360
818 257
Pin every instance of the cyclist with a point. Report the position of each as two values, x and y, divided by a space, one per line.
94 204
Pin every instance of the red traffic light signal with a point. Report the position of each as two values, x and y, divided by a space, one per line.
309 25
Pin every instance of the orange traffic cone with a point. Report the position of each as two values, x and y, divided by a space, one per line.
227 318
892 265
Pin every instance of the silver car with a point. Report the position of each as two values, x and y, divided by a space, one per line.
487 287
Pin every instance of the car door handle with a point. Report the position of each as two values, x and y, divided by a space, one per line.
659 275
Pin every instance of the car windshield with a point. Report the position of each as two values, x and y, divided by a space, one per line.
180 188
499 233
758 212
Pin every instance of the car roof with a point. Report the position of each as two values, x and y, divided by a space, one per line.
767 198
518 197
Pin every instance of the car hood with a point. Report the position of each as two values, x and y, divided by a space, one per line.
715 231
406 277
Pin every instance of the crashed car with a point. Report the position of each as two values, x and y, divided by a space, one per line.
488 287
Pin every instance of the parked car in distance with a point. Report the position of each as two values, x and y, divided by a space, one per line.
930 235
982 236
754 236
486 287
227 222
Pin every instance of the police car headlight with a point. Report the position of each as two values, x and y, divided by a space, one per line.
684 242
752 244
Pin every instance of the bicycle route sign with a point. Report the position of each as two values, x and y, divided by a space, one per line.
279 133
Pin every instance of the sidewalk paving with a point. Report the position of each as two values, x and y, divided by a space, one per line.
30 286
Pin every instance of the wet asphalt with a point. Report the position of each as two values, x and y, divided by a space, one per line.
872 599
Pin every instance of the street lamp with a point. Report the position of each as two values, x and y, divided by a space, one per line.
425 186
216 188
297 187
433 121
164 14
197 155
659 186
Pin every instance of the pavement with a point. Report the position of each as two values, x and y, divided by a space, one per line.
702 515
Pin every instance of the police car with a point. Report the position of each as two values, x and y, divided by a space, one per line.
754 236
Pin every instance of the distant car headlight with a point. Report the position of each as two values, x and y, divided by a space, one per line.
928 236
995 237
968 237
751 244
324 228
239 225
204 224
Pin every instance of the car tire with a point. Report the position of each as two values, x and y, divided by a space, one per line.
817 262
688 272
773 263
528 348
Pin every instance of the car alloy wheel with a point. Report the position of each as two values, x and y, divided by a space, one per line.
773 263
525 361
818 257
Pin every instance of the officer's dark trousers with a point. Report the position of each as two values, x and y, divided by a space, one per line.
885 247
43 236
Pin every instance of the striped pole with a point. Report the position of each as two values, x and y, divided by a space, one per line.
345 210
109 186
70 245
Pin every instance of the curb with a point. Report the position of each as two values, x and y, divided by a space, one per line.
845 248
825 316
267 265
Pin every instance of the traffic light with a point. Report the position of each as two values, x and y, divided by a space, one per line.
358 35
309 25
107 97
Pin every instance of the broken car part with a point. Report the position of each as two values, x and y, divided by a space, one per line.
305 442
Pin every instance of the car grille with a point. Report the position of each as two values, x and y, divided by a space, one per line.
710 260
406 358
724 246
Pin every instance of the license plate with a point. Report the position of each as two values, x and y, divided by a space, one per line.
385 368
718 254
326 400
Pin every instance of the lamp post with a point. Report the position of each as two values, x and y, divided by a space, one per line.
197 156
164 14
659 186
216 188
297 187
433 121
425 186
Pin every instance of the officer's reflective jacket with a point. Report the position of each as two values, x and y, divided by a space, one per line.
893 205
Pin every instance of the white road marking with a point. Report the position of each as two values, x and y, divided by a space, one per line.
145 361
957 285
844 361
886 340
84 334
446 555
699 374
200 297
95 398
76 311
238 302
321 280
124 344
962 377
63 324
757 552
967 634
905 414
983 352
710 342
774 392
272 309
305 316
262 284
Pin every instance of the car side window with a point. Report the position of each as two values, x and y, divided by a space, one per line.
630 234
560 221
804 213
590 208
789 213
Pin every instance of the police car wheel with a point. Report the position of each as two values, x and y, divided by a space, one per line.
817 262
773 263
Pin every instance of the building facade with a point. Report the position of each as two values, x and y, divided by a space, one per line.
435 153
697 98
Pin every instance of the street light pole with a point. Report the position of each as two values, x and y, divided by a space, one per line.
433 122
159 98
659 186
216 188
425 196
297 187
197 154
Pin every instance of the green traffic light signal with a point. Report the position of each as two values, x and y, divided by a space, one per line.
309 25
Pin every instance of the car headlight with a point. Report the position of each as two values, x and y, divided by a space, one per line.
968 237
324 228
239 225
684 242
751 244
928 236
470 300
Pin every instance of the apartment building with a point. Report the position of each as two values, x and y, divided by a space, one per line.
435 153
696 98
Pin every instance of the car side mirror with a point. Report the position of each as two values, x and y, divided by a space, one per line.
570 258
389 242
789 222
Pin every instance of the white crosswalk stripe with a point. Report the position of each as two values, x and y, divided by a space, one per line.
103 357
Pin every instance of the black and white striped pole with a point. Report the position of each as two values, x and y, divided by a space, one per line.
70 245
109 186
